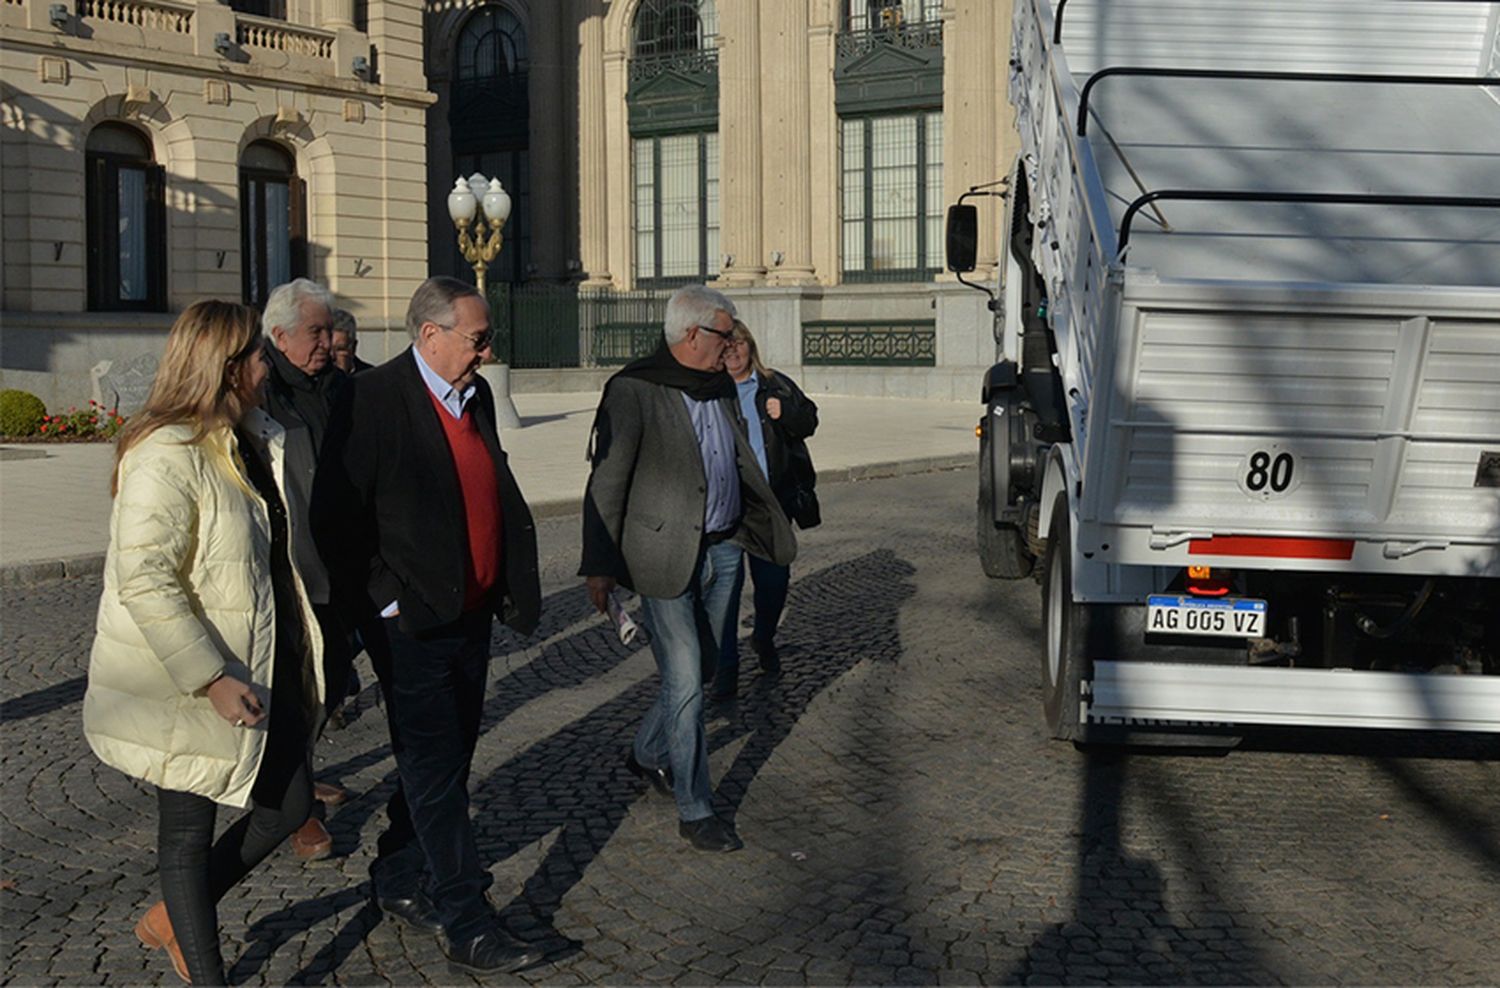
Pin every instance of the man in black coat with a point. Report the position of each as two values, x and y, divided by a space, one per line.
429 517
300 394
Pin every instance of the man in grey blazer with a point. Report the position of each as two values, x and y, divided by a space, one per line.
674 495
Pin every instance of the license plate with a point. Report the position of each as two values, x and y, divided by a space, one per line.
1225 617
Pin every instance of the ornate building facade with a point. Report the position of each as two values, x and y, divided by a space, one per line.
798 153
159 151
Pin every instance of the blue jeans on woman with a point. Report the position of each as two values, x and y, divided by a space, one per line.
685 632
771 585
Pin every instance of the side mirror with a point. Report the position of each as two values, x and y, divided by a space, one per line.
962 237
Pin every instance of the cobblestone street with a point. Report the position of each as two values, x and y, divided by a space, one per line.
905 819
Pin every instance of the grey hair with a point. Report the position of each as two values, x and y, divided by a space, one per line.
284 305
433 302
693 305
343 322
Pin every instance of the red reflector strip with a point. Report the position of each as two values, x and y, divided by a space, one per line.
1272 546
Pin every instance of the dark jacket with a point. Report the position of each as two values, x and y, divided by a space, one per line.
393 514
306 399
301 404
786 448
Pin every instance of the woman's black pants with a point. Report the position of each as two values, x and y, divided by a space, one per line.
196 870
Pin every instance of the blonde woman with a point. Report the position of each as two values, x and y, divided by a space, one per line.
779 418
205 676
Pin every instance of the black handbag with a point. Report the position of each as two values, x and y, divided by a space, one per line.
804 501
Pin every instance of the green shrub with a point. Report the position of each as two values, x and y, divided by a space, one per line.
21 413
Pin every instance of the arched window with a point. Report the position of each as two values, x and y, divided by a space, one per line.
273 220
672 27
490 121
126 221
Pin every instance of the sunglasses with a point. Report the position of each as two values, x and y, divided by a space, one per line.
726 336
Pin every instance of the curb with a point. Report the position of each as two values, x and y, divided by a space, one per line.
34 571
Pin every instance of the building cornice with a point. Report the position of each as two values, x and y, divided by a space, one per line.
45 43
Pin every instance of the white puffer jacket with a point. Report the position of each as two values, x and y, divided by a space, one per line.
187 595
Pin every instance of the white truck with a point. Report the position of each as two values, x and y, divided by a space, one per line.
1245 419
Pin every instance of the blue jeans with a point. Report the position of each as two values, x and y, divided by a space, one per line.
771 584
434 698
685 632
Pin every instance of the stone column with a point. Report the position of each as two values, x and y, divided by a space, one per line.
593 173
338 13
786 120
549 186
740 145
971 118
618 221
824 163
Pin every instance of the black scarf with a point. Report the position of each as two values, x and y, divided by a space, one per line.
662 368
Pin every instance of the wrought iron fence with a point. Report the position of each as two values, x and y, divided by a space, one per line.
870 343
547 325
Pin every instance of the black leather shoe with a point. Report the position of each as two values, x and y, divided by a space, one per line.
770 659
490 952
724 692
660 778
710 834
416 911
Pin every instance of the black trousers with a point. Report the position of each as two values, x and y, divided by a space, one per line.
196 870
433 685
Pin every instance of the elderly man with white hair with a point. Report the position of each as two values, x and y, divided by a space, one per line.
300 394
674 495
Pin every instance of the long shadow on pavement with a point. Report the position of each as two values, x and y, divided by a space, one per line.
565 663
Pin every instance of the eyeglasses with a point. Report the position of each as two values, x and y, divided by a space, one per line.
477 342
727 336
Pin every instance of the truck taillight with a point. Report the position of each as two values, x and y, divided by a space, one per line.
1205 581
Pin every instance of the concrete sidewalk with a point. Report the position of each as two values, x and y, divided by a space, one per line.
54 498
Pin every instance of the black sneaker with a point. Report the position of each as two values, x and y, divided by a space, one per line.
710 834
660 778
770 659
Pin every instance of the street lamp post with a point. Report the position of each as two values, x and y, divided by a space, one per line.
479 241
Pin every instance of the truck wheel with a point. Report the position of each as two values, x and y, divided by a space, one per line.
1065 626
1003 552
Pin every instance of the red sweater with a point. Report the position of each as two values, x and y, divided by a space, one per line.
481 493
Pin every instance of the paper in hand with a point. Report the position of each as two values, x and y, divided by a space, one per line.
625 626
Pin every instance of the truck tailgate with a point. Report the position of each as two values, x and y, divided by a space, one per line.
1321 413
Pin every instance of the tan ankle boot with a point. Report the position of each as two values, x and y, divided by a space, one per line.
155 930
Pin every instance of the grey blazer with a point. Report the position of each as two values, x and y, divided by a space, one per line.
643 507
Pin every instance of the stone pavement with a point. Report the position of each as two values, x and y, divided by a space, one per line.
906 821
54 498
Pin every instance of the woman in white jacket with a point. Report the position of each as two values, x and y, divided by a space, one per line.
205 671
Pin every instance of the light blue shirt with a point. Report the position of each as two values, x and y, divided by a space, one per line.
447 395
748 388
721 509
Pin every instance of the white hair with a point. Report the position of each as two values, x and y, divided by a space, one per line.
693 305
284 306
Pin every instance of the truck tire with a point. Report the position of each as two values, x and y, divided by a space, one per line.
1003 550
1065 629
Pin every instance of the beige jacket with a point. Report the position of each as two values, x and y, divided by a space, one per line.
187 595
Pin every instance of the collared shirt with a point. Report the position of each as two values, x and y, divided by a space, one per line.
721 509
447 395
747 389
